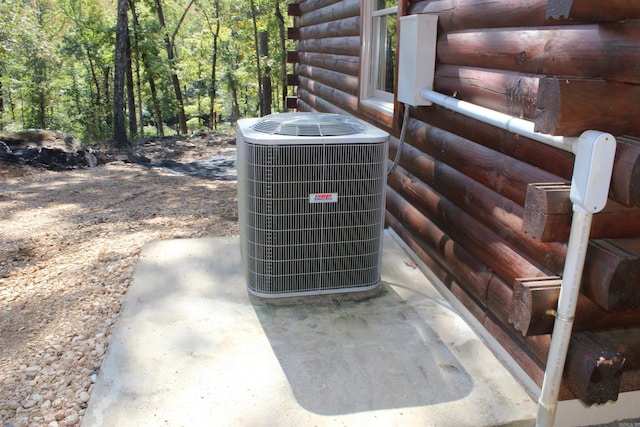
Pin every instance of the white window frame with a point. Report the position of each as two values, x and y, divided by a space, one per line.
370 95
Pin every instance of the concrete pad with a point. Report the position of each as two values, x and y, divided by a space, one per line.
191 348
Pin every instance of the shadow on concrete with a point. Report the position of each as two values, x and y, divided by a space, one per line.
345 356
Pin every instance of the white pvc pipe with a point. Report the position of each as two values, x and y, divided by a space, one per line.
495 118
567 302
578 238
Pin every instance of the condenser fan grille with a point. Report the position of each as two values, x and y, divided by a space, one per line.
308 124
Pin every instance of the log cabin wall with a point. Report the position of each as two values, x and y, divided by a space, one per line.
488 211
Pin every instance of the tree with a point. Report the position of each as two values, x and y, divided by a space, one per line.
254 19
169 46
215 30
283 55
149 72
119 75
60 64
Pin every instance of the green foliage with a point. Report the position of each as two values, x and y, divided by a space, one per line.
57 61
152 131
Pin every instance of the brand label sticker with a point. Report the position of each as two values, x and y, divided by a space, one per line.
323 198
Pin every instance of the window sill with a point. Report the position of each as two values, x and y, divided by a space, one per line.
378 104
378 111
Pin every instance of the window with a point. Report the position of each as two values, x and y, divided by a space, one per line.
379 37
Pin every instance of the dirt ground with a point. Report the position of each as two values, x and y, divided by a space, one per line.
68 245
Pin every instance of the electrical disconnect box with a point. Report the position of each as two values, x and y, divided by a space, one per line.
417 57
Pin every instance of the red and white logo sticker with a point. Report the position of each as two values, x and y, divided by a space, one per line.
323 198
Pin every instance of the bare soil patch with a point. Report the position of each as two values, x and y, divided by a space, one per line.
68 245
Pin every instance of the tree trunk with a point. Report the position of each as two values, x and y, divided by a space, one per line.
1 96
136 49
283 56
119 126
175 81
257 50
150 78
213 115
131 98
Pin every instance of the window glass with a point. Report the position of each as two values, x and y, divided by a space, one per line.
387 28
379 39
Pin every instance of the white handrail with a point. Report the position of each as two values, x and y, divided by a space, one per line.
594 152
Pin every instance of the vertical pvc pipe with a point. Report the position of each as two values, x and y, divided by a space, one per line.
567 302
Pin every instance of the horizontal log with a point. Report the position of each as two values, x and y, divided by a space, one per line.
611 275
582 51
548 213
491 292
532 297
292 57
510 93
344 101
336 45
465 14
501 173
567 106
550 159
345 83
481 242
308 101
293 80
293 9
303 106
543 299
501 215
593 369
339 63
311 5
625 182
460 263
626 342
291 102
331 12
349 26
593 10
293 33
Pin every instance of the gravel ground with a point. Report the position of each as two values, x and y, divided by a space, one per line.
68 245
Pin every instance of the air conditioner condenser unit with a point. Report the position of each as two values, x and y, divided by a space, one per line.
311 191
